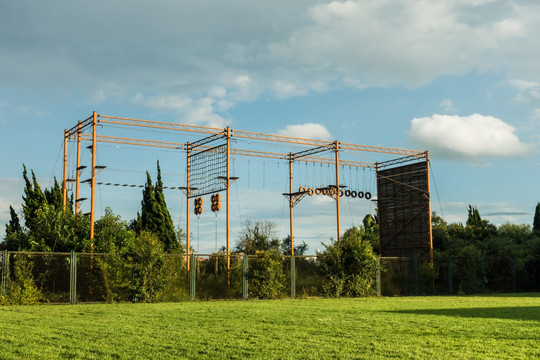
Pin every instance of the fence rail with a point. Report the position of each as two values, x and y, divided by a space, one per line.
82 277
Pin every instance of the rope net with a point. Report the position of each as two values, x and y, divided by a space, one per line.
208 170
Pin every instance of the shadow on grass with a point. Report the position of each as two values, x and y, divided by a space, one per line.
528 313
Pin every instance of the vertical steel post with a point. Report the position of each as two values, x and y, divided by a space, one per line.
64 181
228 200
188 194
415 272
378 280
5 271
514 284
78 169
291 203
336 144
73 278
484 279
245 268
192 277
450 282
293 277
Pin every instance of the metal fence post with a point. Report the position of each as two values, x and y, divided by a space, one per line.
293 277
245 277
514 285
5 268
484 277
415 271
73 278
378 280
450 282
192 276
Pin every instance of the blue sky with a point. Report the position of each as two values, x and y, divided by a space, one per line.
459 78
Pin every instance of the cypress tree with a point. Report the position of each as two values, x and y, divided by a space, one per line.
33 200
474 218
15 238
536 221
166 231
155 216
55 196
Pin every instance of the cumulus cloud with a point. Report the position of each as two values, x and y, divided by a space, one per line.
474 137
307 130
387 42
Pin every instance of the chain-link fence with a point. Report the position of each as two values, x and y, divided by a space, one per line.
82 277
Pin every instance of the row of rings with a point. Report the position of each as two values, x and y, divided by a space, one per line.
332 192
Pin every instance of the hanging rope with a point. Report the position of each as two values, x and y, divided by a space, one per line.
216 233
198 233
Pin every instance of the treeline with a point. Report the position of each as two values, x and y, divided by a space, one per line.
47 225
491 256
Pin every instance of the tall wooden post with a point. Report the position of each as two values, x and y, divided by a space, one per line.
93 180
78 169
429 212
188 194
291 203
228 211
378 209
336 144
64 182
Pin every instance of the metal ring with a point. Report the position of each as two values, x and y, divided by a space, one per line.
340 193
302 189
318 191
353 193
310 191
368 195
360 195
325 191
347 193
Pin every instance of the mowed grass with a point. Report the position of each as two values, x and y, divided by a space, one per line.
482 327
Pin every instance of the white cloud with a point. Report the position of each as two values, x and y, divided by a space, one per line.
307 130
528 91
474 137
447 104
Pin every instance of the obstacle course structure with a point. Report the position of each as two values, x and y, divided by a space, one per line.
208 172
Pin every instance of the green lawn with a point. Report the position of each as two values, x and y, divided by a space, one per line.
483 327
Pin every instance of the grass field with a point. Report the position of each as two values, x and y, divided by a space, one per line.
486 327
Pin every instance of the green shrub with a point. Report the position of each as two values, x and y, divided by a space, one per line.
21 288
148 267
348 267
266 276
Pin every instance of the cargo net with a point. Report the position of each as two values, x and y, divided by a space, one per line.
208 171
